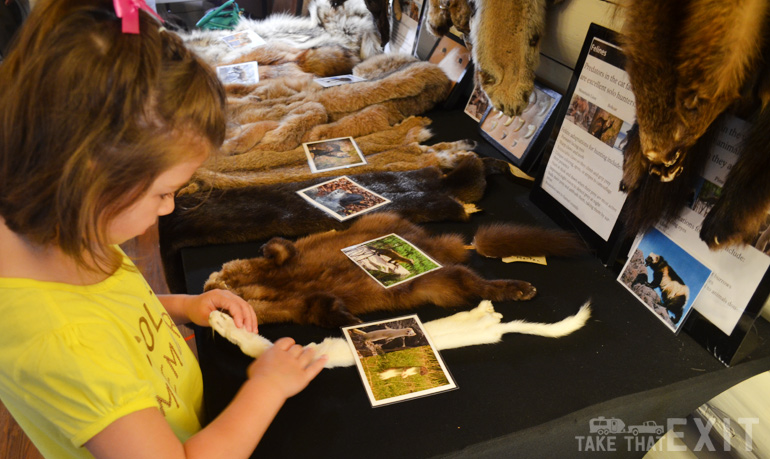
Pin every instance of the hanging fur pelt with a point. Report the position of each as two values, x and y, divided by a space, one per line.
504 38
311 281
688 62
480 325
256 213
348 26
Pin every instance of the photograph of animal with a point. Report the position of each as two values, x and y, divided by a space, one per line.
674 292
311 281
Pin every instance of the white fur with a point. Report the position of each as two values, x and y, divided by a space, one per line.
480 325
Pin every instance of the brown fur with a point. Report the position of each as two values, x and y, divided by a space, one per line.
688 62
313 282
502 240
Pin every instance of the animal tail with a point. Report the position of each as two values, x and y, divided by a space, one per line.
505 240
550 330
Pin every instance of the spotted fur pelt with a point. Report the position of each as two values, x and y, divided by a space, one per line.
312 282
256 213
348 26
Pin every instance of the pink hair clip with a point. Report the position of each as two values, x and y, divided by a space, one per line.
128 11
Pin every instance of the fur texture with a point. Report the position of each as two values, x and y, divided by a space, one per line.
504 38
481 325
313 282
349 26
256 213
688 62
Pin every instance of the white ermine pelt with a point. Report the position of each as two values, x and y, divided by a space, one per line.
349 25
480 325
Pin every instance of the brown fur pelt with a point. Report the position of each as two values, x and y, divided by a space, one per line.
688 62
393 149
256 213
504 38
312 282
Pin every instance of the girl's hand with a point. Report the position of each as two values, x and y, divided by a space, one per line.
286 368
199 307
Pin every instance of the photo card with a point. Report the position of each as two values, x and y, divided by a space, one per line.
342 198
451 55
328 82
243 73
407 17
664 277
327 155
243 38
478 104
391 260
397 360
522 138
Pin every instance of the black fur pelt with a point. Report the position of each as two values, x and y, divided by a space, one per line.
253 214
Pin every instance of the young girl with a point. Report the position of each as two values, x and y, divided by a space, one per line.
98 128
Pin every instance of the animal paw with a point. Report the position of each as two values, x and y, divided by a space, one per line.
521 290
328 311
722 228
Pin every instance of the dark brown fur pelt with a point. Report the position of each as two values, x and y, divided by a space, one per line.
688 62
312 282
256 213
502 240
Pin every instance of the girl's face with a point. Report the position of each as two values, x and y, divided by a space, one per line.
157 201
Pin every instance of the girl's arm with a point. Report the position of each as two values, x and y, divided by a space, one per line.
196 308
278 374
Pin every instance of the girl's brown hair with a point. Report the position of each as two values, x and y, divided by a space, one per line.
89 117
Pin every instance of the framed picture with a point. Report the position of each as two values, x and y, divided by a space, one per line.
406 25
327 155
342 198
397 360
451 55
578 185
522 138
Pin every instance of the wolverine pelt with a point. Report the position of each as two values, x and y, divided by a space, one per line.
504 38
311 281
689 62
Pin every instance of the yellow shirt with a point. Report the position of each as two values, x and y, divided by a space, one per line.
73 359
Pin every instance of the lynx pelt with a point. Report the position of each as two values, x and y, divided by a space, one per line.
481 325
688 62
313 282
504 37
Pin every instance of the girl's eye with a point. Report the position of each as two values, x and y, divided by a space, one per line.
167 196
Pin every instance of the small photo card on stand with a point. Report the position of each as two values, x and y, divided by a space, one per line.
327 155
397 360
451 55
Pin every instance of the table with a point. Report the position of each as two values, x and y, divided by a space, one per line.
527 396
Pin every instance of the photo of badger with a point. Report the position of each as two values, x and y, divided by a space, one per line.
664 277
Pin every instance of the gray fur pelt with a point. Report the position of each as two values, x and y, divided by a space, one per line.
349 25
255 213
